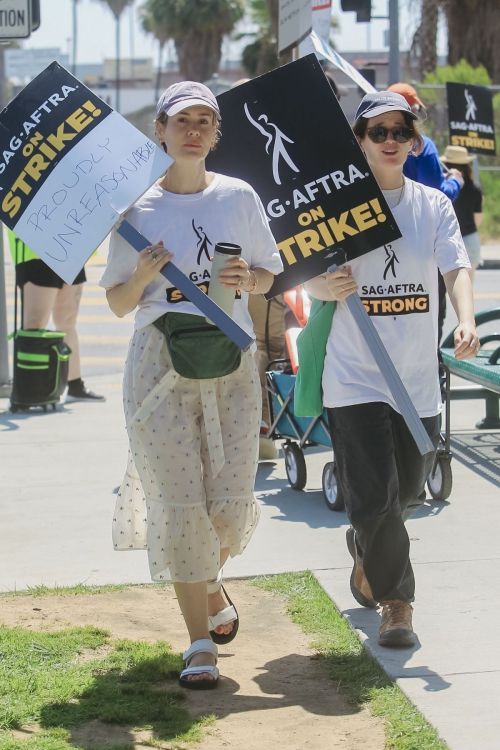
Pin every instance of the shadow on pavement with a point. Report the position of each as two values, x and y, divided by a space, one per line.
480 452
298 506
393 659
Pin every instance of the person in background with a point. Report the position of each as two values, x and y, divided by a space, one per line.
268 318
468 205
45 294
379 467
425 167
193 442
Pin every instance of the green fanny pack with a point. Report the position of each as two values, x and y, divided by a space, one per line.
198 349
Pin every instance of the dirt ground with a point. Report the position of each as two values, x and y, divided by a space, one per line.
273 692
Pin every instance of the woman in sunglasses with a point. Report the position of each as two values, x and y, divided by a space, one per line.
379 467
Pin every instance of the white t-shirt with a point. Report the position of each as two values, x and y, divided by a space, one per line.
228 210
399 289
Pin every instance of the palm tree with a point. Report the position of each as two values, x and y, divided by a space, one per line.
117 7
198 28
473 33
261 55
424 42
155 21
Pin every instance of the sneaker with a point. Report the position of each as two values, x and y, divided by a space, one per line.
360 588
396 630
77 391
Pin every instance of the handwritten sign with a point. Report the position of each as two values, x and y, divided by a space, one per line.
69 166
299 153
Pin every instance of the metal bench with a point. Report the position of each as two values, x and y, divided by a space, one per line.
483 370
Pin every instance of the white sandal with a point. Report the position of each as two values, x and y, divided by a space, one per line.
225 616
201 646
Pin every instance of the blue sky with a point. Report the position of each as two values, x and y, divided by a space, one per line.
96 29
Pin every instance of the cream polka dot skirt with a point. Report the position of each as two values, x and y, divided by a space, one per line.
188 488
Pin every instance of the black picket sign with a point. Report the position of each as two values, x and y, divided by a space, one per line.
470 117
288 137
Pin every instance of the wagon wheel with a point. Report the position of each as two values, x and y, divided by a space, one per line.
331 489
295 466
440 479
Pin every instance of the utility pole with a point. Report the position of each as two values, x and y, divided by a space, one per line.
74 26
394 76
4 347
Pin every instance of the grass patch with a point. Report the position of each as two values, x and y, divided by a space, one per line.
80 588
59 682
352 669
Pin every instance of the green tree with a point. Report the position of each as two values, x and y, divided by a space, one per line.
117 7
198 28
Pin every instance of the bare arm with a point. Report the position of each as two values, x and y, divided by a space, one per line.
123 298
459 288
478 219
336 285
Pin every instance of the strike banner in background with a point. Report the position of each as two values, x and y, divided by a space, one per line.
285 134
69 166
470 117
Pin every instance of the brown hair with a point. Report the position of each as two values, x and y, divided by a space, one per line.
361 126
162 119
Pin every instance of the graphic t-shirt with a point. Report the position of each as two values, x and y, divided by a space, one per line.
228 210
398 287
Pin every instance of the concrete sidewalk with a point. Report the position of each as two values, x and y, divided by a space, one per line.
59 473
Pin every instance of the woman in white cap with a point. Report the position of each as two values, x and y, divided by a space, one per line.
381 472
469 204
193 441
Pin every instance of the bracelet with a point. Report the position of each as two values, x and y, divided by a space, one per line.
254 282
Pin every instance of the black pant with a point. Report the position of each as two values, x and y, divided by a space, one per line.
382 476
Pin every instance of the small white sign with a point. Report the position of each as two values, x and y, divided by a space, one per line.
295 23
15 19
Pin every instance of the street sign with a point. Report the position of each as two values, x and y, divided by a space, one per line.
15 19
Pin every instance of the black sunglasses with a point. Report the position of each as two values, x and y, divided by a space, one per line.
379 133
